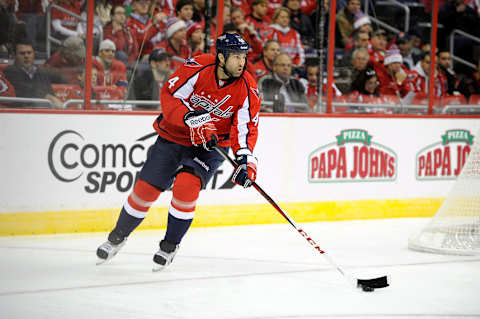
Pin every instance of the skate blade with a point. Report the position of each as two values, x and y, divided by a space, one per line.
101 261
157 267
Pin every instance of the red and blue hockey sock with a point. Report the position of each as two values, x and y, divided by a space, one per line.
186 189
135 208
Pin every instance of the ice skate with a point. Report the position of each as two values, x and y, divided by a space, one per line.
164 255
111 247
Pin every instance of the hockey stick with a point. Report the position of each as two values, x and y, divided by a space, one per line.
364 284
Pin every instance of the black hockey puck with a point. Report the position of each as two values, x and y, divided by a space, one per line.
366 288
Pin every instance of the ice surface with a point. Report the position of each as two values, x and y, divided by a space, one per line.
241 272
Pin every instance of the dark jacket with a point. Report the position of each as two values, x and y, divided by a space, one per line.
470 85
270 86
144 86
37 87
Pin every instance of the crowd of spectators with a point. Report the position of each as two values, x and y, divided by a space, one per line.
139 43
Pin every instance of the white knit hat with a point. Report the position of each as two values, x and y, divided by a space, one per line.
173 25
392 56
107 45
361 19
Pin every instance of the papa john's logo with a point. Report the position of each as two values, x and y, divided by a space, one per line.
444 159
353 157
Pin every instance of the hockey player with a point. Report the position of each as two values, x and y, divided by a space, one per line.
208 100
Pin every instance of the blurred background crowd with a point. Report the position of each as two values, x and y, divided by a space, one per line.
381 62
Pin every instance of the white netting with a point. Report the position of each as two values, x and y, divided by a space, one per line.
455 229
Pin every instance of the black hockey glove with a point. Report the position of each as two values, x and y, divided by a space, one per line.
246 172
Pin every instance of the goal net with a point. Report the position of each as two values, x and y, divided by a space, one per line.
455 229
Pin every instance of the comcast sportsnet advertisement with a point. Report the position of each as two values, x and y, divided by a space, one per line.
444 159
353 156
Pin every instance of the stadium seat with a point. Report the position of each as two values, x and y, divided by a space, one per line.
108 92
67 91
453 100
474 99
422 99
391 99
340 109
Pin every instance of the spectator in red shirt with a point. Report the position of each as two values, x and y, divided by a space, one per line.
309 7
273 5
264 66
176 42
242 4
166 8
65 25
64 62
379 45
258 19
392 78
247 32
196 38
111 72
125 41
147 31
184 11
288 38
420 79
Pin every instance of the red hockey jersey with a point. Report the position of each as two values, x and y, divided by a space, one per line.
146 33
234 106
262 26
290 43
6 88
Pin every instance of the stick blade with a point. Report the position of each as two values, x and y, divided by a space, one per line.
380 282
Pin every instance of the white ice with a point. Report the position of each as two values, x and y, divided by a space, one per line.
241 272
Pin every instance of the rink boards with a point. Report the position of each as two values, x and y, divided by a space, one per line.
72 172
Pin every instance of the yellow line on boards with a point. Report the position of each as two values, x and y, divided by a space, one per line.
29 223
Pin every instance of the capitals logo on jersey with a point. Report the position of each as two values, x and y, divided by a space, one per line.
212 107
192 62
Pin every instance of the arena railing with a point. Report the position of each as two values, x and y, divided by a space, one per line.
347 107
357 108
113 104
461 109
452 44
404 7
385 25
29 101
49 36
